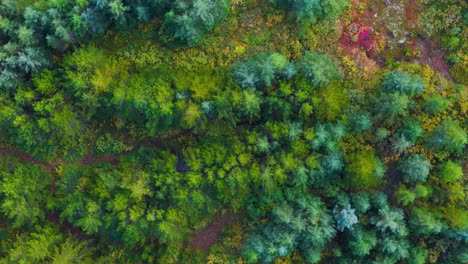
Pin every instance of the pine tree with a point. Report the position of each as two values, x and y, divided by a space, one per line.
294 130
360 122
251 104
362 246
246 75
390 221
423 222
361 201
405 196
392 105
345 218
411 129
415 168
397 81
400 143
317 68
448 136
435 105
449 171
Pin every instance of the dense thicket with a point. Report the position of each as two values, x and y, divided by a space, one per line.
31 31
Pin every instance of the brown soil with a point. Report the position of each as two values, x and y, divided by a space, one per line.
113 159
88 160
27 158
205 238
433 55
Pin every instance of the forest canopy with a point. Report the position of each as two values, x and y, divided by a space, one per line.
233 131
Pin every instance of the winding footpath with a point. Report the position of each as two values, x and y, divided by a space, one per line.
201 240
87 160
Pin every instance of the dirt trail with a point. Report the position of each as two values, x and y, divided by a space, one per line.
27 158
205 238
433 55
88 160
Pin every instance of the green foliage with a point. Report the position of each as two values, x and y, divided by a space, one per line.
140 145
411 130
362 246
449 171
395 249
45 244
187 22
24 194
30 31
448 136
262 70
422 191
405 196
361 201
286 231
360 122
317 68
381 133
333 100
310 12
294 130
251 104
424 222
390 221
393 105
361 170
327 136
400 144
435 105
415 168
418 255
397 81
345 218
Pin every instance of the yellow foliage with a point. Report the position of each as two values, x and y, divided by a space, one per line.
428 122
192 115
423 151
59 170
455 193
275 19
82 184
427 74
457 217
349 66
235 4
460 69
104 77
463 103
239 49
389 159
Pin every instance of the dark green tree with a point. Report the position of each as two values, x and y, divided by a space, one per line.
447 136
318 68
397 81
423 222
415 168
435 105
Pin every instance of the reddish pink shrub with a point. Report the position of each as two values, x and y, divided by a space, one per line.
363 37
